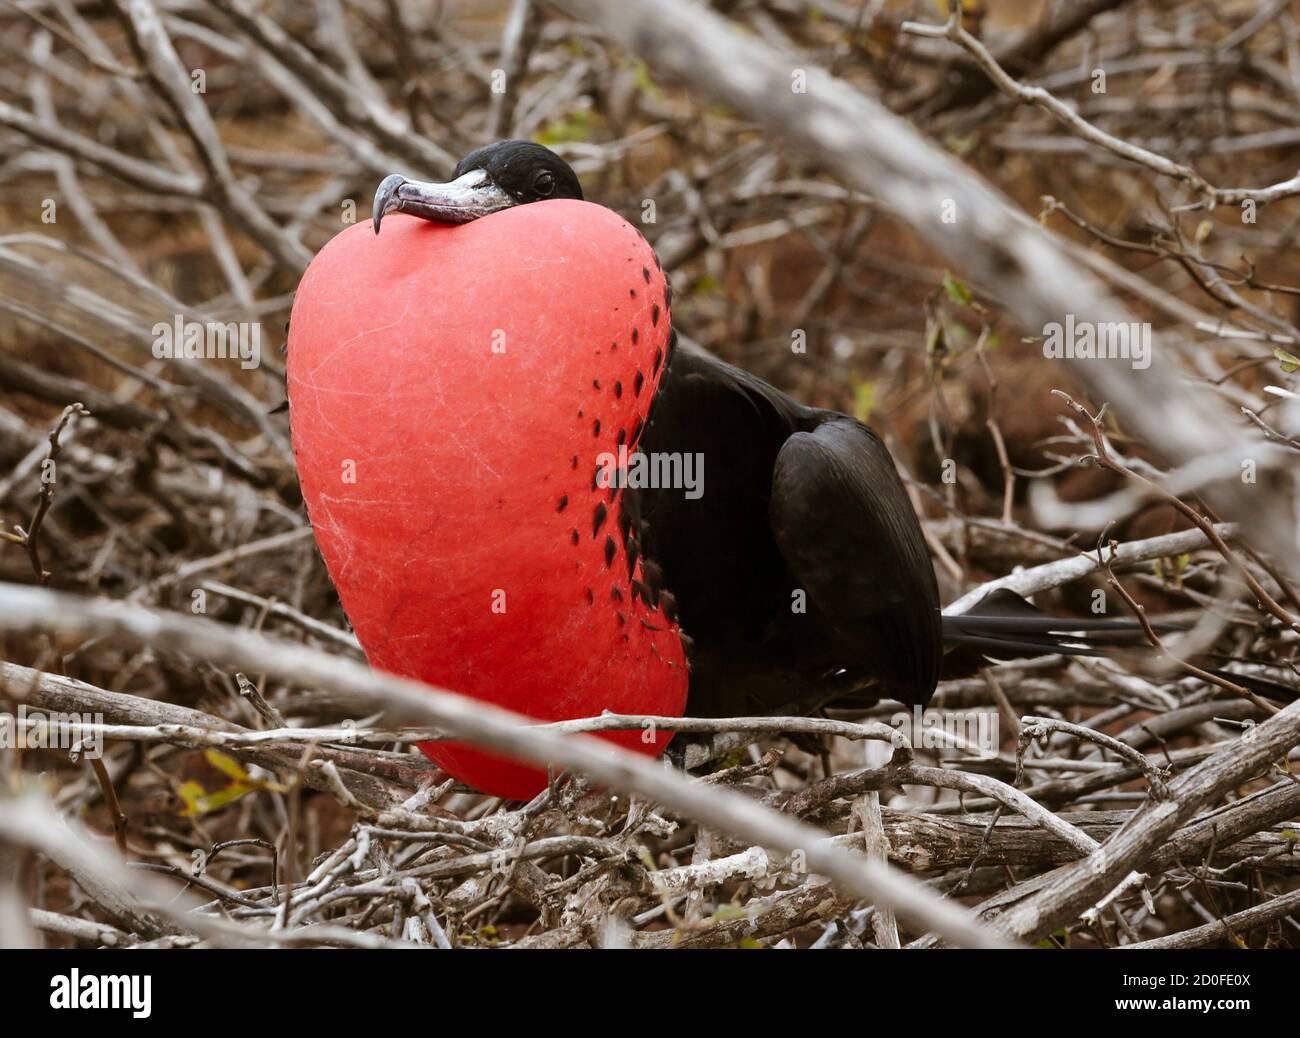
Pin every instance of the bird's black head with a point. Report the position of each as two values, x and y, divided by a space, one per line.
527 172
487 180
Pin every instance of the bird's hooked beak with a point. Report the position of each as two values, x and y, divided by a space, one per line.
464 199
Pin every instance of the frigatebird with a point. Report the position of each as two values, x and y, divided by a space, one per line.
798 577
802 570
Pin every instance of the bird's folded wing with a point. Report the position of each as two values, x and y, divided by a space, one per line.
846 529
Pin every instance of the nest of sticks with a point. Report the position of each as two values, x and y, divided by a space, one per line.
245 781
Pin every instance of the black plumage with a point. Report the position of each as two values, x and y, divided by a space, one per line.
800 572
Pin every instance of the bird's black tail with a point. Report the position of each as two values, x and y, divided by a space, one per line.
1003 622
1003 625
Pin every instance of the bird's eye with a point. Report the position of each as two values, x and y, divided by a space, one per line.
544 182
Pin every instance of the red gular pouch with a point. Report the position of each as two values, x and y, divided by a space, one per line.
455 393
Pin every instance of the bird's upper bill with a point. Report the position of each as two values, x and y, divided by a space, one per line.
459 201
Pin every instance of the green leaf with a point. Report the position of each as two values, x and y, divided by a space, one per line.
1178 566
1062 936
959 144
1290 362
641 77
228 766
572 128
957 292
199 801
864 399
704 284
